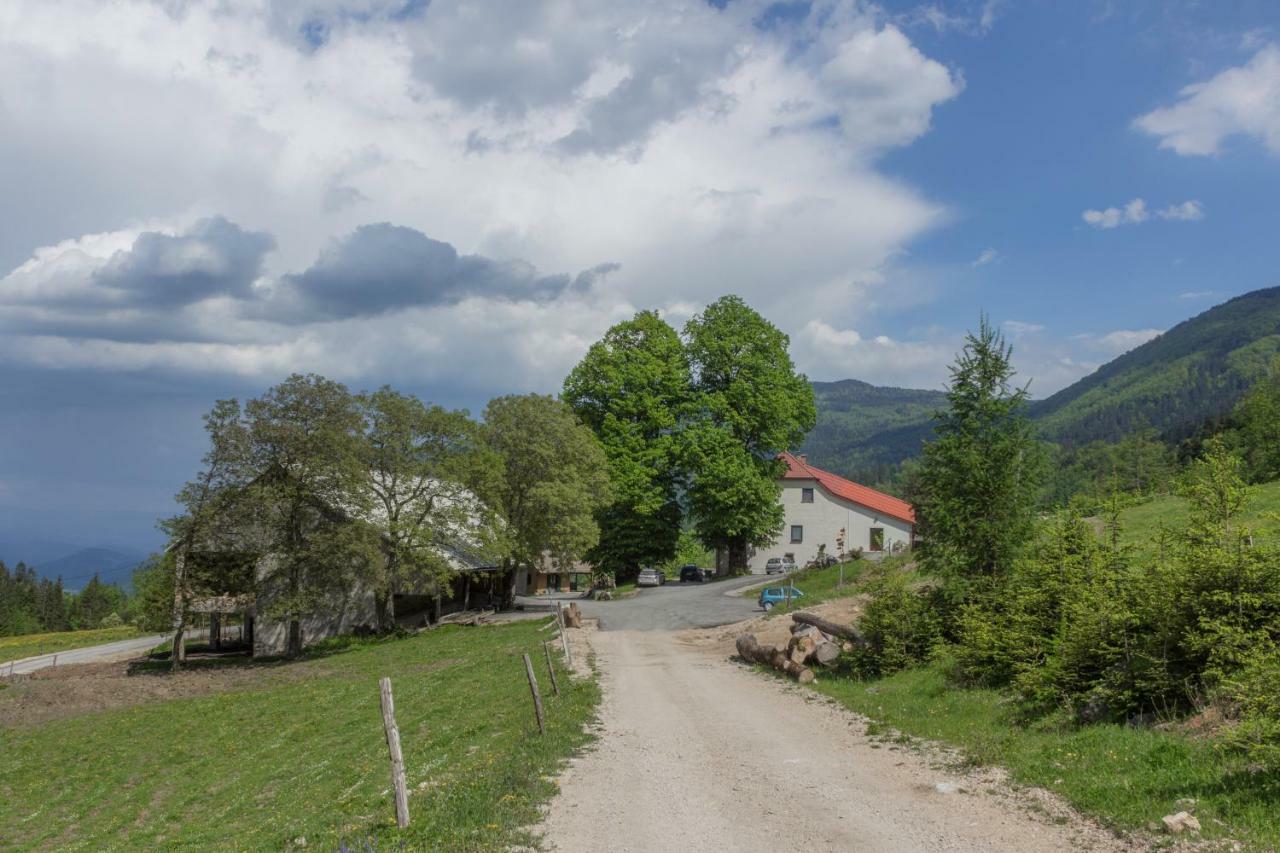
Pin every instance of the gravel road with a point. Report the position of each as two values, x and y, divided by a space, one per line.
120 650
699 753
675 606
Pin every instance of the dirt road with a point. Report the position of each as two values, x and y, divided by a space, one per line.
698 753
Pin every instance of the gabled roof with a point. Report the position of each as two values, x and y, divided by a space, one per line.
799 469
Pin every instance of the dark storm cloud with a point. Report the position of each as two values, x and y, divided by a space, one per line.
213 257
384 267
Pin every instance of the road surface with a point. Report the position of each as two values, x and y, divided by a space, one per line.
699 753
675 606
119 650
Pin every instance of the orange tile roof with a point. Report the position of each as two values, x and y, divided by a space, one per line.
799 469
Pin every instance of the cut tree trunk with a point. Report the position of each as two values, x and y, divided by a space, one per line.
750 649
845 632
573 615
827 653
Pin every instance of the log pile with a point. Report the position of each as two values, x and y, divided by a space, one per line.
814 641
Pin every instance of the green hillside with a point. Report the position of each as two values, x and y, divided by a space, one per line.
863 430
1195 371
1140 525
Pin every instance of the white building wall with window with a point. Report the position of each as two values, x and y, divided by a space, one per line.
815 517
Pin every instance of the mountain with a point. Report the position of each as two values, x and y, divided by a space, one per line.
863 430
112 565
1195 371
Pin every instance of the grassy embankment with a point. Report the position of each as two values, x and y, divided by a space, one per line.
1127 777
30 645
1139 525
301 753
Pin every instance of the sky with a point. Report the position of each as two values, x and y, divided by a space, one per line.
457 198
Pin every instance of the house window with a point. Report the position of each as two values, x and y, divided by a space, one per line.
806 496
877 539
797 533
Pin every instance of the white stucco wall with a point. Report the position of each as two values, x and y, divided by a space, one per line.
822 521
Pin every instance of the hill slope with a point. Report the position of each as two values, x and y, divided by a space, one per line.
864 429
110 564
1196 370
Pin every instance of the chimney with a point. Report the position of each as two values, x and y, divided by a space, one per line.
803 457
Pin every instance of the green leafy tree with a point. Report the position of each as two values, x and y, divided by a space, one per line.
750 405
307 496
555 478
428 472
633 390
1259 417
979 477
212 507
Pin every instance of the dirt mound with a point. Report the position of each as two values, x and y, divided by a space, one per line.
769 630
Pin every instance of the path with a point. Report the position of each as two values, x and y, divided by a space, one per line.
698 753
119 650
675 606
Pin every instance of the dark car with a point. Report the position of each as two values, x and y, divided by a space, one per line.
691 574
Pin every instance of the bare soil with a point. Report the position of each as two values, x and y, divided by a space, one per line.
700 753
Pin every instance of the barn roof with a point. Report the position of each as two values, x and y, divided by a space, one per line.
799 469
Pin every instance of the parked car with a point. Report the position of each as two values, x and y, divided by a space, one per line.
649 576
691 574
779 566
769 596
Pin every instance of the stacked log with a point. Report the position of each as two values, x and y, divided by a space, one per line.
750 649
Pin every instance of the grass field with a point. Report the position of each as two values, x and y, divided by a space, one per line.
296 750
1139 525
30 645
1128 777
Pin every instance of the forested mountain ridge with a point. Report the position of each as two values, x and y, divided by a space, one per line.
1174 383
864 430
1197 370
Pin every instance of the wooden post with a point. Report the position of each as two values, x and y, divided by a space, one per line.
551 670
397 759
537 698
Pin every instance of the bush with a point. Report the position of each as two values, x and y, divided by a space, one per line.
111 620
900 623
1254 694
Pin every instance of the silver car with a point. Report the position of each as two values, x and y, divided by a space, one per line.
778 566
649 576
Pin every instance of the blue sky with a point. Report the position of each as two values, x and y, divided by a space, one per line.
458 198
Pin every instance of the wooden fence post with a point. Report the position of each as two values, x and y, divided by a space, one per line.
537 698
551 670
397 759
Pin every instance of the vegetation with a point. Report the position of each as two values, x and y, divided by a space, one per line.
298 752
751 406
633 390
30 604
31 645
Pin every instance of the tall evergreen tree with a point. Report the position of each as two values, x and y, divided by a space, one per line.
980 475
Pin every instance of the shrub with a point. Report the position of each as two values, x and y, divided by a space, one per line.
111 620
901 625
1254 693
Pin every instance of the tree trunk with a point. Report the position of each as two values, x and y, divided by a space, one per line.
750 649
382 604
737 555
293 648
179 608
845 632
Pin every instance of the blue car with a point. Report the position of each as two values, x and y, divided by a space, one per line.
769 596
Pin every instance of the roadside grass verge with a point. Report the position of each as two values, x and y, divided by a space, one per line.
301 754
30 645
1126 777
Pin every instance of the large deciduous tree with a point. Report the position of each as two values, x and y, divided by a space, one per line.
979 477
554 479
309 491
633 390
750 405
428 474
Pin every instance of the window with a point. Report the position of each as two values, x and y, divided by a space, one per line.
877 539
797 533
806 496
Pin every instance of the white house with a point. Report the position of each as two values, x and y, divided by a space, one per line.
823 509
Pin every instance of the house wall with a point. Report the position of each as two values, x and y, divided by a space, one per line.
271 636
822 521
539 583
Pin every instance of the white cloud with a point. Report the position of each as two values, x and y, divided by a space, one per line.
1131 214
1188 211
1117 342
837 353
695 150
985 257
1243 101
1018 328
1197 294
